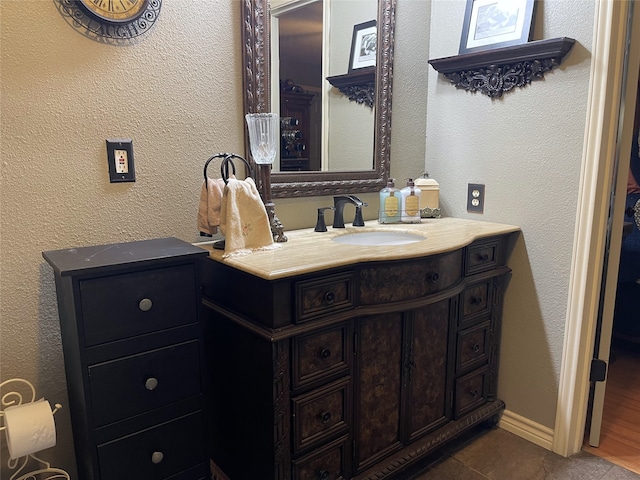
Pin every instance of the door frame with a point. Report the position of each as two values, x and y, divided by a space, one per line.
607 79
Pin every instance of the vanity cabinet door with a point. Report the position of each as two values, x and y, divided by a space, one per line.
427 368
378 388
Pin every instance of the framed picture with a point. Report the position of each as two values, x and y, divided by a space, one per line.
490 24
363 46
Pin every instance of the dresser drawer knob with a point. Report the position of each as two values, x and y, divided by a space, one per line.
329 298
325 417
475 347
483 257
323 475
433 277
475 300
325 353
157 457
145 304
151 383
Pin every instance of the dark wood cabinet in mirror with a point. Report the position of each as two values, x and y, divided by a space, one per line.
256 86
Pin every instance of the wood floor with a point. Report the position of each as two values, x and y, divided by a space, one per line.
620 438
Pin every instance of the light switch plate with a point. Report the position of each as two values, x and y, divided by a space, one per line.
120 159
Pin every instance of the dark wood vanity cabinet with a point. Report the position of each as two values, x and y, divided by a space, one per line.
132 341
356 372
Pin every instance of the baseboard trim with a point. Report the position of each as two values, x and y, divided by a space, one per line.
527 429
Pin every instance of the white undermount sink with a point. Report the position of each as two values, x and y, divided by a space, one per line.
378 238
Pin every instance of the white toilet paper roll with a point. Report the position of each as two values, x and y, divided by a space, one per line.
30 428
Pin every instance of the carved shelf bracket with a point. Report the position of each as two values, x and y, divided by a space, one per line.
494 72
358 86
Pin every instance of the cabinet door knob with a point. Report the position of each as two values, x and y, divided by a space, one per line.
157 457
323 475
483 257
325 417
433 277
475 347
329 298
473 393
325 353
151 383
145 304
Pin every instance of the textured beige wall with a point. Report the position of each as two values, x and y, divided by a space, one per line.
527 149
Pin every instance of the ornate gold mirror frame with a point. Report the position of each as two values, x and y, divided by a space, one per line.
256 84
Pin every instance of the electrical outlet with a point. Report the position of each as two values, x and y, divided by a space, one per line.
475 198
120 159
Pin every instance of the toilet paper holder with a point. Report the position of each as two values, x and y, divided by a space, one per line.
15 397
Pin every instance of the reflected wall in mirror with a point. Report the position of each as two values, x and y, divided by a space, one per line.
338 173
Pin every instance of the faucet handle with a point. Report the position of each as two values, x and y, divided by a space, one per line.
321 226
358 221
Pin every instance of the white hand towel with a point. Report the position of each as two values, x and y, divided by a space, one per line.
210 205
243 219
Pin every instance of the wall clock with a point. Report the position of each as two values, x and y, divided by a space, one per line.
111 19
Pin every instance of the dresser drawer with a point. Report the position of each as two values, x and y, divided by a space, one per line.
475 302
321 414
328 463
472 348
121 306
324 295
483 256
411 279
320 355
139 383
471 391
156 453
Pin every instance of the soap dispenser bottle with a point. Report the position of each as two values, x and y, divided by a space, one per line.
390 204
410 203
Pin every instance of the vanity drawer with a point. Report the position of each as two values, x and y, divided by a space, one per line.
321 414
472 348
121 306
483 256
407 280
136 384
471 391
475 302
328 463
324 295
156 453
319 356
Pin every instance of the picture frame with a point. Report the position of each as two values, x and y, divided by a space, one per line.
363 46
490 24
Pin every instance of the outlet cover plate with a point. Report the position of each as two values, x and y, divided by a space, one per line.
475 198
120 159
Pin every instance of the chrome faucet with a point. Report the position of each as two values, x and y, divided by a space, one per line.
340 202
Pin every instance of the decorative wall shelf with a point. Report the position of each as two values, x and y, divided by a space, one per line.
359 86
497 71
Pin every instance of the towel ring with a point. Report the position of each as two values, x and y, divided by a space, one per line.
224 166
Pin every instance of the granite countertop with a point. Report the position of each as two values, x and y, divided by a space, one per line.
308 251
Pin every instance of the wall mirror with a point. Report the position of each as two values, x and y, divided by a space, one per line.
338 175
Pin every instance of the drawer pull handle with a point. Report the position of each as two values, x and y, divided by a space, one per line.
329 298
325 353
433 277
323 475
475 300
484 257
325 417
157 457
151 383
475 348
145 304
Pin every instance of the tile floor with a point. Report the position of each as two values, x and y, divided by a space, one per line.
499 455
